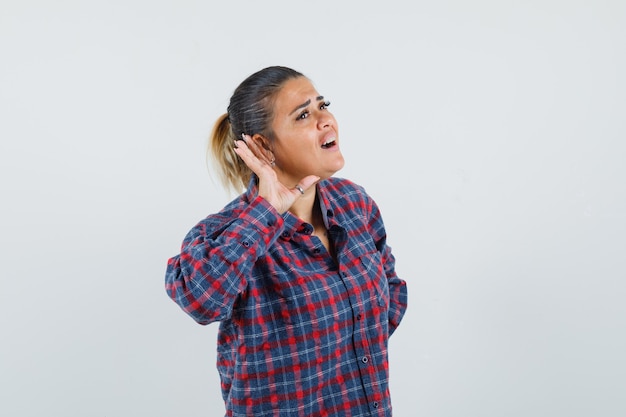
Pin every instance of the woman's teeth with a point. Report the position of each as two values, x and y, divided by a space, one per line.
328 143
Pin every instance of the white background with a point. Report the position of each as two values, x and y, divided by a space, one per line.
491 133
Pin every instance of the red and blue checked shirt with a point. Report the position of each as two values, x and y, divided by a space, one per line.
301 334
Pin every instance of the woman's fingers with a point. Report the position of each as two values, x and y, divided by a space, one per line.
306 183
242 148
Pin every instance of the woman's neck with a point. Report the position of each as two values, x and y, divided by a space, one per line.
305 207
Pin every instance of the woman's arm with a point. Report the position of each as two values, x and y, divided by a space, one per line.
216 259
398 295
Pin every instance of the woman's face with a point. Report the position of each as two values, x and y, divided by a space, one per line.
306 140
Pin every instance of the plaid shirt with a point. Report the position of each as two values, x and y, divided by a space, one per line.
301 334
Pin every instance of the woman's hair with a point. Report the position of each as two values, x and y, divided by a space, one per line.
249 112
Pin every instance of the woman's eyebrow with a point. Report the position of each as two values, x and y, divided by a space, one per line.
306 103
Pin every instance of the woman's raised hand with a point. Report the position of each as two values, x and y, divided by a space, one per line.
270 188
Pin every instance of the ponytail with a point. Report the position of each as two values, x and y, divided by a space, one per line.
233 172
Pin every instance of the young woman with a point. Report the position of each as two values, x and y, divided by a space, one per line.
296 269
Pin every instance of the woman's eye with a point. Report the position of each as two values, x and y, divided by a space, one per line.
306 113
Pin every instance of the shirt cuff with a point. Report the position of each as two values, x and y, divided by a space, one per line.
266 222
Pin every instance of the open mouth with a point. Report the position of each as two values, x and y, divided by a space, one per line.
329 143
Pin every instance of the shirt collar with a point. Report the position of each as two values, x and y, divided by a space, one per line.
292 222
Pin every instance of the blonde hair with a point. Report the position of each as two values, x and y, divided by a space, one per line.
249 112
233 172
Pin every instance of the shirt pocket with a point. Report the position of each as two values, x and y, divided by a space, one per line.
370 275
374 289
381 286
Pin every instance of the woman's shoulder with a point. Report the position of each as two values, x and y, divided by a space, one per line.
345 191
342 185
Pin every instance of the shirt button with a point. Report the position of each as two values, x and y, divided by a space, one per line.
364 359
358 317
285 234
376 404
246 243
316 251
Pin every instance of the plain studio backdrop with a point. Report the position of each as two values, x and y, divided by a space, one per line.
491 133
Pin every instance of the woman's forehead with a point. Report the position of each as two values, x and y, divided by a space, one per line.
295 93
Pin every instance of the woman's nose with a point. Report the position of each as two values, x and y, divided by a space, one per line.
325 119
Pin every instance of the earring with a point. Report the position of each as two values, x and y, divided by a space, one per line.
273 162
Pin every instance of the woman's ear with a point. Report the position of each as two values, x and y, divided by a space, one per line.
264 146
